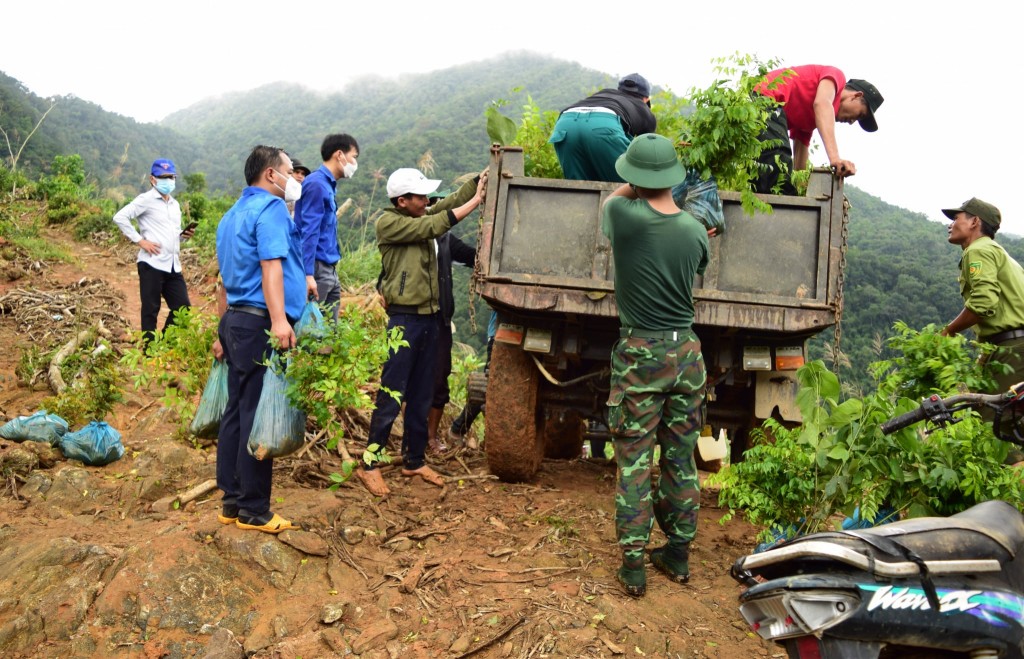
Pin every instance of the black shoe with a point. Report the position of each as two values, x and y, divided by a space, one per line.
633 577
673 560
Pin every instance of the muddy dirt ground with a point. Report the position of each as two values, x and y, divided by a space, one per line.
99 562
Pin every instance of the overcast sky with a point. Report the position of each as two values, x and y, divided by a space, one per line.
948 71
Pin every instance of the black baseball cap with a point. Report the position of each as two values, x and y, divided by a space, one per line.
873 100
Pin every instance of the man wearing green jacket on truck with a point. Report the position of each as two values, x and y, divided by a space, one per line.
409 285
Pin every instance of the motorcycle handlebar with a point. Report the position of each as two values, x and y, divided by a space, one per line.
929 407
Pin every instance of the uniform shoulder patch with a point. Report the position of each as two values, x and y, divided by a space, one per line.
974 268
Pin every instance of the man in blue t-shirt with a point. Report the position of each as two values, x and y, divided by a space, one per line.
316 215
259 251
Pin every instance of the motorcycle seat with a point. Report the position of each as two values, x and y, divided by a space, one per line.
991 530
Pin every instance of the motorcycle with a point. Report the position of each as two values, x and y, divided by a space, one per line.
937 587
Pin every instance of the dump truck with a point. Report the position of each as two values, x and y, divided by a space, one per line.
773 281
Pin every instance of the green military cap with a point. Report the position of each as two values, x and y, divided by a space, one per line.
988 213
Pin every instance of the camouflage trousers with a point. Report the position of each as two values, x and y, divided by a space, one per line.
657 388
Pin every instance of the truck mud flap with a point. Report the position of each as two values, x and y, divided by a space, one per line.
777 389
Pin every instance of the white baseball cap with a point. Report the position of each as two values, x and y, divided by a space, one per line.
410 181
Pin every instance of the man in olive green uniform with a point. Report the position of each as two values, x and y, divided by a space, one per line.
658 376
992 285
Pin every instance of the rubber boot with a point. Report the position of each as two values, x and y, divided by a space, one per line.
433 422
673 559
633 576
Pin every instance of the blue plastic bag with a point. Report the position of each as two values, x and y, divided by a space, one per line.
278 429
206 423
700 199
311 322
96 444
38 427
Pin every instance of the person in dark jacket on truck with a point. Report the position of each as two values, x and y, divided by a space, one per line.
405 236
592 133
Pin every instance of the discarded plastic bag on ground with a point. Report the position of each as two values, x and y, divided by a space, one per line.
278 429
214 400
311 322
700 199
96 444
38 427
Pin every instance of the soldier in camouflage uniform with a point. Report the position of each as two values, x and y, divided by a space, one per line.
658 376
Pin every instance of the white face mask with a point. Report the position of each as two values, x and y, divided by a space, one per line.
350 168
292 189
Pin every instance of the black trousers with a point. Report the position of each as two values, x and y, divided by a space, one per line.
244 480
410 372
777 130
156 284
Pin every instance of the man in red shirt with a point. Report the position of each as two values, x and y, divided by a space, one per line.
810 97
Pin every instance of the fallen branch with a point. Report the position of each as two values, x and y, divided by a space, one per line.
57 383
497 637
198 491
412 577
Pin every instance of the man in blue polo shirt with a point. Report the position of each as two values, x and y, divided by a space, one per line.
316 215
259 251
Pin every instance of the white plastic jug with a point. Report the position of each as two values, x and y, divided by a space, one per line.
713 448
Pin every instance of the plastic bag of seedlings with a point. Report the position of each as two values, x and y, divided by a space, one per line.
206 423
278 429
96 444
38 427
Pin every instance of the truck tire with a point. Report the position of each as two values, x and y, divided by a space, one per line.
512 437
563 436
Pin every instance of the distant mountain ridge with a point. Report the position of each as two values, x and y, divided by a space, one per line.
900 266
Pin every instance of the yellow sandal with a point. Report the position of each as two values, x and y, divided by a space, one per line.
275 525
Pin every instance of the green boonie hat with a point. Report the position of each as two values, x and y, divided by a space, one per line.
651 162
988 213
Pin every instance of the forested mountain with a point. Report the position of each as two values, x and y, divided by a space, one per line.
899 265
116 150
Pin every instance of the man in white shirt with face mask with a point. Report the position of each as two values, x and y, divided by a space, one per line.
159 237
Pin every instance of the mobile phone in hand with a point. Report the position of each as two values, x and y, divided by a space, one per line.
190 227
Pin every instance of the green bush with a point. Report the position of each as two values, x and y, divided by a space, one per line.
838 459
92 375
327 374
178 359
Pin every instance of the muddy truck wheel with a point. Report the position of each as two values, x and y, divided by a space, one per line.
563 435
512 438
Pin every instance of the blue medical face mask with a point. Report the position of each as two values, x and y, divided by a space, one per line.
165 186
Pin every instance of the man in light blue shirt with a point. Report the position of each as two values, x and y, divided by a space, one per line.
317 219
159 239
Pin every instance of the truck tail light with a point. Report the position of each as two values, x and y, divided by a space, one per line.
789 358
511 334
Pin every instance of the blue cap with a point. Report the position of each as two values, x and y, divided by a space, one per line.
163 167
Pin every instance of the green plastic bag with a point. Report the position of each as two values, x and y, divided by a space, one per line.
206 423
278 429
